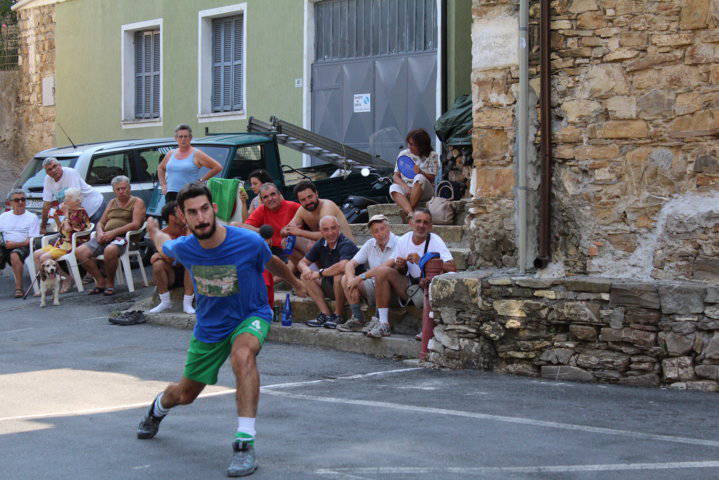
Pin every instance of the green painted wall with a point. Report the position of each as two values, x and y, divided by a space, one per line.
459 48
88 79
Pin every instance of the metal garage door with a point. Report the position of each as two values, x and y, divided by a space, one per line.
375 70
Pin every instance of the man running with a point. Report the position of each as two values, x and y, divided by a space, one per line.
233 317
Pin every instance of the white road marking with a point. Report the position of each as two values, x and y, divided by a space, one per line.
266 388
501 418
16 330
529 469
611 467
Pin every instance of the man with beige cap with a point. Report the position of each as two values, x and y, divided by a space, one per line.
376 251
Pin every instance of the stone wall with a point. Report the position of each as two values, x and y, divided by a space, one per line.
37 62
578 328
635 120
9 165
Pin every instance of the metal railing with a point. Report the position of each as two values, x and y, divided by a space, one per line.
8 46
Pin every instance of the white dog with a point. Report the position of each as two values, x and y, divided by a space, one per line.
50 281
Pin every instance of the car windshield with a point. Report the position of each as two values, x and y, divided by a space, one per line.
33 177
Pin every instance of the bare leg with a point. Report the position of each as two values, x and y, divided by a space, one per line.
315 292
339 295
389 280
183 393
162 274
16 263
415 195
111 254
187 283
244 365
402 201
85 258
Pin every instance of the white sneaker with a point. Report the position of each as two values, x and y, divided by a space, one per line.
189 309
372 323
160 308
380 330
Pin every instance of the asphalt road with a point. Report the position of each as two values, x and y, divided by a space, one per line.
73 389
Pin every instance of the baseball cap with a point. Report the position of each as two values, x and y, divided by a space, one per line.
376 218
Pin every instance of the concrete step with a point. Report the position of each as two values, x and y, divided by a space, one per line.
394 346
451 234
393 212
404 321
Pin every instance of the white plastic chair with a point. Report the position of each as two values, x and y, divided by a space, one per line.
124 261
29 265
70 257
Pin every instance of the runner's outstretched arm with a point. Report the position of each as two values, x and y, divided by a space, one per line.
277 267
157 236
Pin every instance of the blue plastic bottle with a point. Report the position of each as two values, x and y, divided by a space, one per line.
287 313
289 244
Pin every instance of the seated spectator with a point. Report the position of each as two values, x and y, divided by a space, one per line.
166 271
274 211
60 178
17 227
331 254
408 192
306 223
76 219
401 275
257 178
123 214
267 232
373 254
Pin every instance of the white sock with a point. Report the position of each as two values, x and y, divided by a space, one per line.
187 304
383 315
159 410
246 425
164 303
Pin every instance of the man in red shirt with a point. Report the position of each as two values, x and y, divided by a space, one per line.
274 211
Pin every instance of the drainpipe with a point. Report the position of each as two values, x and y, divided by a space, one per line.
522 128
545 191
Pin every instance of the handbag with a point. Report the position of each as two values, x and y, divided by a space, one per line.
440 207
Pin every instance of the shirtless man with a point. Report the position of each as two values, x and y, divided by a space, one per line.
306 223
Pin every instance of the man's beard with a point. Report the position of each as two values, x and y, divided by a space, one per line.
311 207
205 236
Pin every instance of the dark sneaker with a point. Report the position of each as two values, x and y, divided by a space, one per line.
332 321
319 321
149 425
243 459
354 324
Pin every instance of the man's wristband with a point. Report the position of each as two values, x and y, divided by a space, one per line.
322 270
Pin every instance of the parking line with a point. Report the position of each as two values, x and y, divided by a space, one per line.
501 418
611 467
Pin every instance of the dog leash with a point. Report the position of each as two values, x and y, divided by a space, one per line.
31 285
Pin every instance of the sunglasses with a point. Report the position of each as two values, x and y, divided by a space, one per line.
18 200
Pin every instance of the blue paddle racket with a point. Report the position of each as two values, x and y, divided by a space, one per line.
406 166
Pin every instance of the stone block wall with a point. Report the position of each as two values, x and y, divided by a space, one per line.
580 328
36 53
635 110
9 165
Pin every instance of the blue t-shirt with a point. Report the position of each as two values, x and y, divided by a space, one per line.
228 280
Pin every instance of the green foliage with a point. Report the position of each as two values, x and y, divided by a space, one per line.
7 15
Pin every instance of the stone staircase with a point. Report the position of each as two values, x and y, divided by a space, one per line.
405 322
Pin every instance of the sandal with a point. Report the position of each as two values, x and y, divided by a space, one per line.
19 293
96 291
109 291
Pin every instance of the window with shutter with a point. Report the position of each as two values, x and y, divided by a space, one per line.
227 54
147 74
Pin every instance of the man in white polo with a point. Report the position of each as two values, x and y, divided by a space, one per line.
59 179
375 251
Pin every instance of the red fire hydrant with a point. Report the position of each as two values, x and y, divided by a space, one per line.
431 269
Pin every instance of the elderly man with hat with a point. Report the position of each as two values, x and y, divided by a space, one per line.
375 252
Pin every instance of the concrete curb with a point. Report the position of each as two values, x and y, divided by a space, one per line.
396 346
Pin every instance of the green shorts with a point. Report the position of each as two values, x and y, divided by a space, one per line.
205 359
